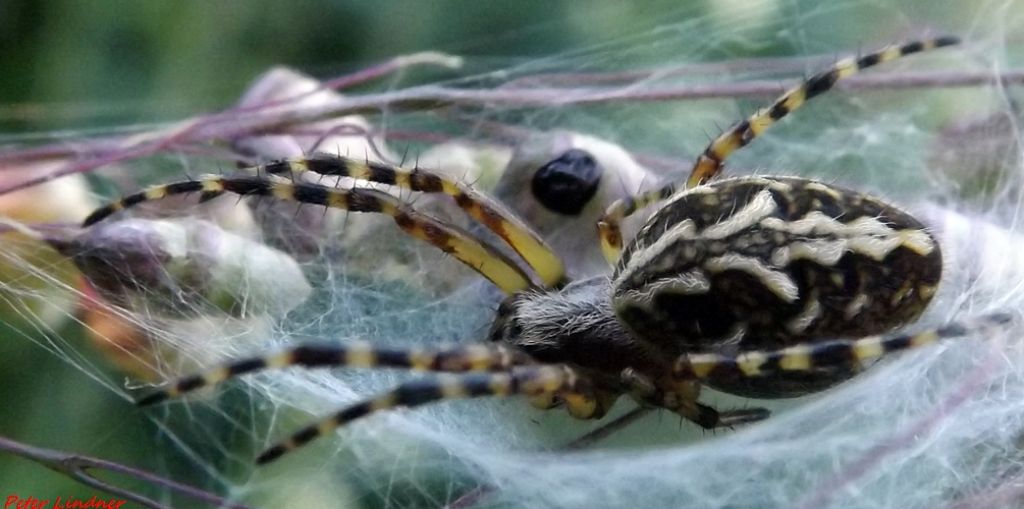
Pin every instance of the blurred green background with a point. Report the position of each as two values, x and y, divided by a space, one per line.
70 65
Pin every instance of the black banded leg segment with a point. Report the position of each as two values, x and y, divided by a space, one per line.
683 401
456 359
484 210
609 227
709 163
478 255
529 381
838 353
708 418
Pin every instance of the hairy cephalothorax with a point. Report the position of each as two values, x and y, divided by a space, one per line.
575 325
758 286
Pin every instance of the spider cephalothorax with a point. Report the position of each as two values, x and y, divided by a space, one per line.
758 286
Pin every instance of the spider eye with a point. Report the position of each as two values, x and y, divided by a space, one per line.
566 184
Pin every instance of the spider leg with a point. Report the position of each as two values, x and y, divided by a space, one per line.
709 418
682 399
835 353
709 163
529 381
608 429
484 210
474 253
456 359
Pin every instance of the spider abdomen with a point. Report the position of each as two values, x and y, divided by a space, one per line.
769 262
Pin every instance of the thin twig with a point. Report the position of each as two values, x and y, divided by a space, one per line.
183 131
433 97
704 69
113 143
77 467
357 78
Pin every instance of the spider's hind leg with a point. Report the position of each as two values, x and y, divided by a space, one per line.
824 355
455 359
529 381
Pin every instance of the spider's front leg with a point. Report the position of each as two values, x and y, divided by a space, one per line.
475 253
489 213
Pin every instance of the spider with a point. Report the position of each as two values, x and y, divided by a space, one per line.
767 287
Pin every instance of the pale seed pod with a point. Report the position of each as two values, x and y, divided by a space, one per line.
36 283
186 268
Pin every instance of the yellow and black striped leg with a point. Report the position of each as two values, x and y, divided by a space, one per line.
506 225
477 255
709 163
838 353
457 359
528 381
609 227
582 404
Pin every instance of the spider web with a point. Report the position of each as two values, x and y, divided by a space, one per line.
934 428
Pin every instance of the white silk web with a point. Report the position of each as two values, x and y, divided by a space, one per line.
938 427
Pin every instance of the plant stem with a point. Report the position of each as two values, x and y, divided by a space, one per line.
77 467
